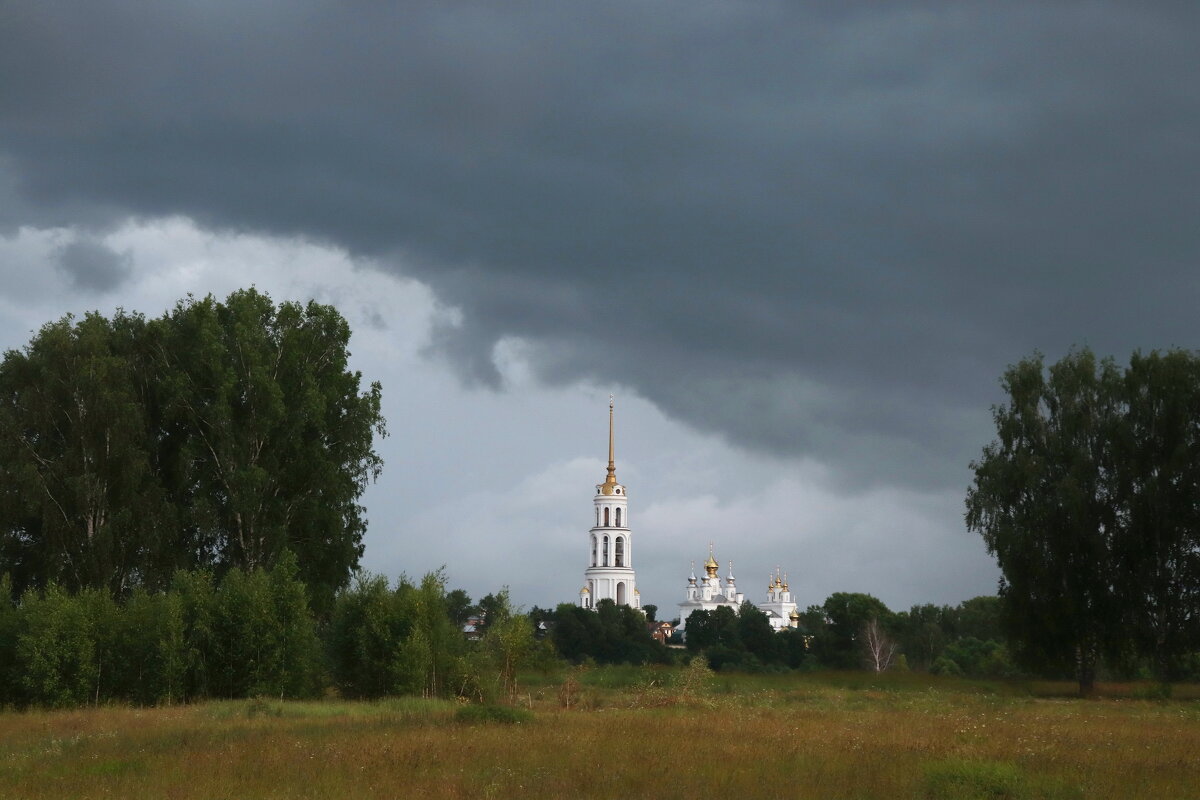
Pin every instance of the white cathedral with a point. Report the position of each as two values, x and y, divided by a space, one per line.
610 557
707 594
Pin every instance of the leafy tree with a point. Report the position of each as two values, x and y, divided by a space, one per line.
716 628
879 648
214 437
1044 499
458 606
506 645
148 647
923 633
577 632
59 657
794 649
980 659
80 500
197 599
264 636
494 607
610 634
839 645
270 435
651 611
756 636
365 638
403 641
10 622
434 643
1157 545
980 617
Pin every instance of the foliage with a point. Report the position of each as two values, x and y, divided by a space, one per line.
610 634
879 649
839 644
481 714
253 634
217 436
383 641
1158 544
1090 500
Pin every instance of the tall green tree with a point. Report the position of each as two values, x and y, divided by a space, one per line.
1157 546
81 504
218 436
274 435
839 644
1045 500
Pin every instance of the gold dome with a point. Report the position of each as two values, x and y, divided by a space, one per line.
585 590
794 615
711 566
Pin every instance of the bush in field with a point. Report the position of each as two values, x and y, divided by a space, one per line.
611 634
149 649
197 606
264 636
980 659
946 666
59 656
403 641
365 635
9 625
253 634
504 715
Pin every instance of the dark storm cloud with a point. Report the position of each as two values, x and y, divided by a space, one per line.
93 266
815 228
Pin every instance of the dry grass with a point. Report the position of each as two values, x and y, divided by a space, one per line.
792 736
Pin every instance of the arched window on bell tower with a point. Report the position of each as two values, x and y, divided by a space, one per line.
618 517
620 561
606 516
606 548
593 551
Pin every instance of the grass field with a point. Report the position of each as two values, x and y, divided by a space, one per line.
630 733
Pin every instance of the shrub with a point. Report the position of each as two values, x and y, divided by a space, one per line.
946 666
482 714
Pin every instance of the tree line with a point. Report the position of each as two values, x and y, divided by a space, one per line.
216 436
852 630
253 633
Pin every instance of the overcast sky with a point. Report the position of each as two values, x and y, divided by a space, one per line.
798 241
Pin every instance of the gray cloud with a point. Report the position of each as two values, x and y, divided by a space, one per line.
92 265
816 230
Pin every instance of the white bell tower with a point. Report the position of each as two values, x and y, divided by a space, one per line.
610 543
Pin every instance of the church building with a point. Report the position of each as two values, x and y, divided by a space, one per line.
708 594
610 544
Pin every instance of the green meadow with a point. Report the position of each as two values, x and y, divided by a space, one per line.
631 732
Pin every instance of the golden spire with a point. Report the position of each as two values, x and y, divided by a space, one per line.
610 482
711 566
